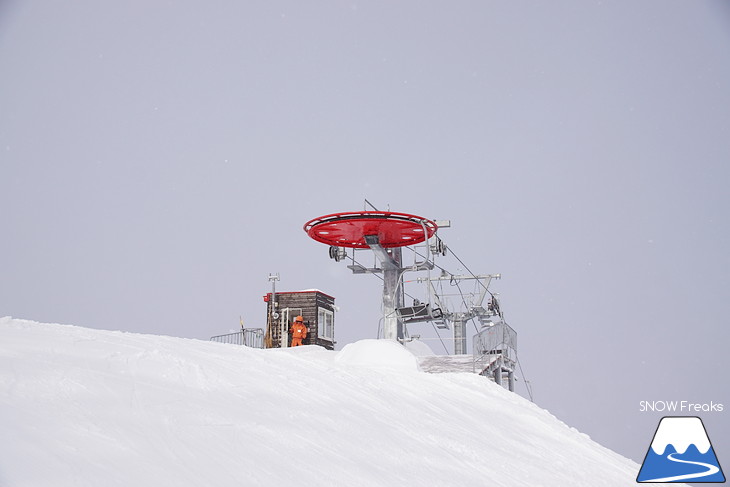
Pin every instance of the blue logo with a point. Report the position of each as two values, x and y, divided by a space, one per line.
680 452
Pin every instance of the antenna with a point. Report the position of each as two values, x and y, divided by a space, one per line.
273 278
367 203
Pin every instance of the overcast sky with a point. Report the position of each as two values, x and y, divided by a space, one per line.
158 161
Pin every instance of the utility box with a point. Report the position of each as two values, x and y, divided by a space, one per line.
317 309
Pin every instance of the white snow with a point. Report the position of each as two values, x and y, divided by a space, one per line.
680 432
83 407
419 348
381 354
438 364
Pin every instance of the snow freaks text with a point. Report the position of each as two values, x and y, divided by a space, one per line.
680 407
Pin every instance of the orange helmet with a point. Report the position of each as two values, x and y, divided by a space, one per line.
299 319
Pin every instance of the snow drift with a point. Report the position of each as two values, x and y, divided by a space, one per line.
83 407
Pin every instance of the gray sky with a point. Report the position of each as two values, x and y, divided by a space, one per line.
159 159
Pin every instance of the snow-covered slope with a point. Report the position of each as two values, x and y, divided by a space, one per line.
83 407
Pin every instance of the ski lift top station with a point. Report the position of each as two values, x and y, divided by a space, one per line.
386 234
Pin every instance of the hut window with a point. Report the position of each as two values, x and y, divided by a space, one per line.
326 322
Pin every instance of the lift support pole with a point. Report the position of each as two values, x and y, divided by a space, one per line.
460 335
390 260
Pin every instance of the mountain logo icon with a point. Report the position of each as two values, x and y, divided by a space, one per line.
679 452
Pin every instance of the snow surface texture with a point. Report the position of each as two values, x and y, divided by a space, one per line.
380 354
83 407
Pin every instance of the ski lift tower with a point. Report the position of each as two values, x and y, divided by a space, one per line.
385 233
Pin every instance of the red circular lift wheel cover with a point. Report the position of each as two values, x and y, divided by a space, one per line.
349 229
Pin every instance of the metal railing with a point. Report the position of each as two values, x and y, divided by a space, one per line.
249 337
496 341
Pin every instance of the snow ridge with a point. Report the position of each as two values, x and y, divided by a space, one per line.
90 407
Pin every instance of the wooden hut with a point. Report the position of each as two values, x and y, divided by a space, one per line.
317 309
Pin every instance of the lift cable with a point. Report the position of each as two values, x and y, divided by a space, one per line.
470 272
528 385
440 339
412 249
451 273
456 283
466 307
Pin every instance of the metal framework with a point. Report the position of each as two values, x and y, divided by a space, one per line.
250 337
386 234
471 307
495 353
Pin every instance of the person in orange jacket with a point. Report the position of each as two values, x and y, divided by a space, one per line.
298 331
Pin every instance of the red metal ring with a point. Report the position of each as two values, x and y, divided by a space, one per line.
349 229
